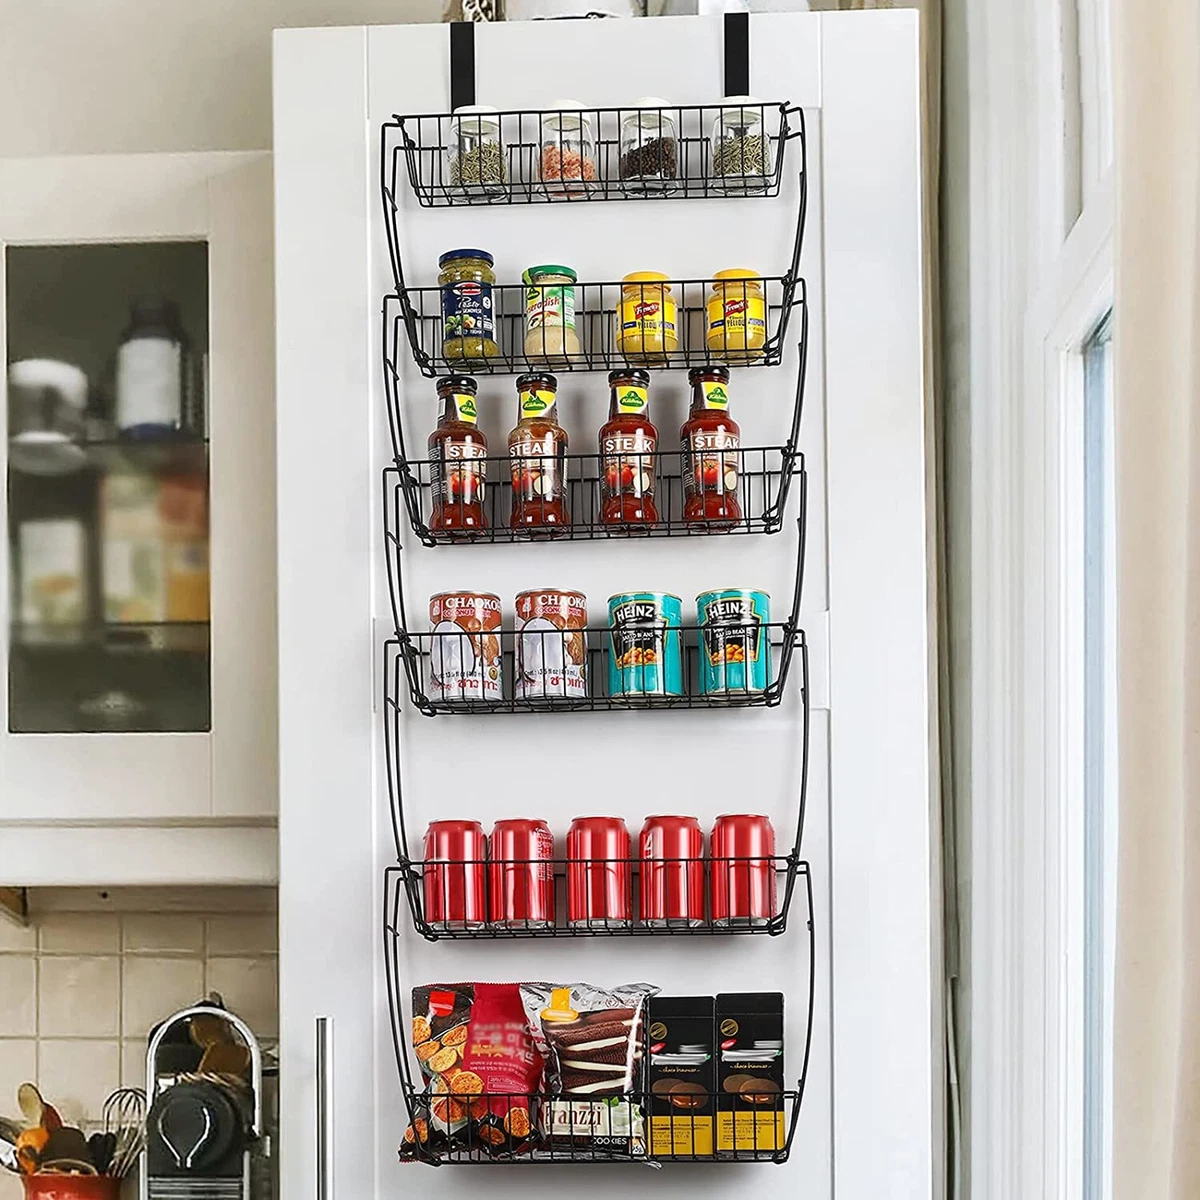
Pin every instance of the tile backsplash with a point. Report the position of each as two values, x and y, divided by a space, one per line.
79 992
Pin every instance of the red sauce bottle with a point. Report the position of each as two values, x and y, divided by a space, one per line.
457 450
627 444
537 450
711 452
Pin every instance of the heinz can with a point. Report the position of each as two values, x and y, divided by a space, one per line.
464 653
671 868
521 875
599 894
551 645
645 651
735 643
455 856
742 855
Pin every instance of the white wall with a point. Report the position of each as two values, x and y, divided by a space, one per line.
123 76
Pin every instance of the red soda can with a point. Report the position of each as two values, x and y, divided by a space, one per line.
455 862
743 870
598 875
671 854
521 875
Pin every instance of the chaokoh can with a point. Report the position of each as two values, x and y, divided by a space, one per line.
645 646
735 641
551 639
464 650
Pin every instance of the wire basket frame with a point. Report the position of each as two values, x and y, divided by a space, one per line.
604 339
474 1146
764 477
595 154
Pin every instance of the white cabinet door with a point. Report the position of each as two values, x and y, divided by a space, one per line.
137 584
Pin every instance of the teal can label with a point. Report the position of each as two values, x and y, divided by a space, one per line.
735 643
645 652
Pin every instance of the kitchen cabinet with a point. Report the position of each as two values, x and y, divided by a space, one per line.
358 563
137 586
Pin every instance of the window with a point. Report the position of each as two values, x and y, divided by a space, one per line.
1099 761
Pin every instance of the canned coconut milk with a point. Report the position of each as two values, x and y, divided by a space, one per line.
551 645
735 645
464 652
645 654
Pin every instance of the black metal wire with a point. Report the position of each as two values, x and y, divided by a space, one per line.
602 346
476 1151
622 154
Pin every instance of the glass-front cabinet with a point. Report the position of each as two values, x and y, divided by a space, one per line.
139 499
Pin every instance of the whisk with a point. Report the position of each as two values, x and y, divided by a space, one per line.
125 1120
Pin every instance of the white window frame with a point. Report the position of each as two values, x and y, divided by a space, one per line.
1040 284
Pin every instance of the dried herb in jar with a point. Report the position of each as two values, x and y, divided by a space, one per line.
653 159
742 155
483 163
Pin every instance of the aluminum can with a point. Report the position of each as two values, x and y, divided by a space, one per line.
735 643
551 645
521 875
599 894
464 652
742 852
671 870
455 865
645 650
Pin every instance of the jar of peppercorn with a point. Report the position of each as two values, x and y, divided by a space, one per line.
567 166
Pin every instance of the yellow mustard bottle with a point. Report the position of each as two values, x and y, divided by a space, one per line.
647 324
737 314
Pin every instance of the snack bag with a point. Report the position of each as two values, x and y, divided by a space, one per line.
480 1069
592 1040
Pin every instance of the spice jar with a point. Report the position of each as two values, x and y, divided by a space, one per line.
647 328
649 149
475 156
550 335
741 149
737 314
568 154
468 320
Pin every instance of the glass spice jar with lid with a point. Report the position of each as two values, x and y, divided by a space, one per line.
475 155
468 318
649 147
737 315
647 318
567 158
741 147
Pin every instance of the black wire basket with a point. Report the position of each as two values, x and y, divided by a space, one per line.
603 345
508 1129
517 156
764 480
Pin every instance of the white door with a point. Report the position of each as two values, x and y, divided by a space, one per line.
866 1125
137 584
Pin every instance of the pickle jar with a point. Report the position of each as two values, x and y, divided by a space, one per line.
741 148
647 318
474 154
567 161
468 318
737 315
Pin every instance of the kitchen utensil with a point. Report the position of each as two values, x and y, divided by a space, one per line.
8 1149
125 1117
30 1102
101 1147
65 1149
225 1058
